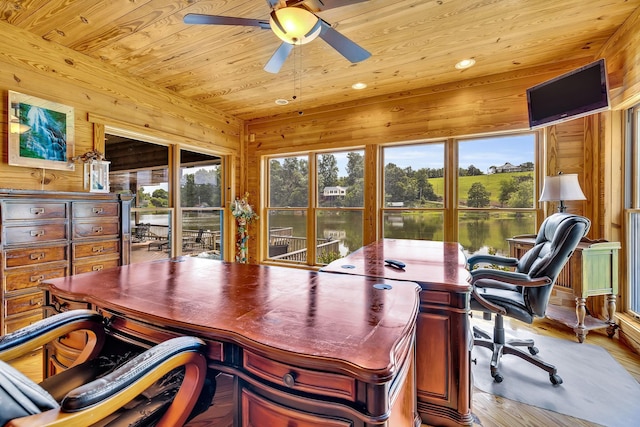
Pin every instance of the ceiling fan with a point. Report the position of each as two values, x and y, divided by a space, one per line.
295 23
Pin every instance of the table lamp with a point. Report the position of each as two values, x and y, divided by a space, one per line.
561 187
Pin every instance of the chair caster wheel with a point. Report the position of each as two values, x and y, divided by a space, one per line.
533 350
555 379
497 377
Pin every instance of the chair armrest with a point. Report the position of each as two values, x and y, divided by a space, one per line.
510 277
36 335
110 392
491 259
486 303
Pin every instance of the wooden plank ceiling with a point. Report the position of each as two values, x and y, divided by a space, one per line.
414 44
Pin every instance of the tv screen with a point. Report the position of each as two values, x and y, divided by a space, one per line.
575 94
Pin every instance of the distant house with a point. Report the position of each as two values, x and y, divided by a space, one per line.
506 168
395 204
334 191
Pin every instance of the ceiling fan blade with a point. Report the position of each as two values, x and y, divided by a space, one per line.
278 58
195 18
343 45
320 5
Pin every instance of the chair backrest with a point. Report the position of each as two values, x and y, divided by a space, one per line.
557 238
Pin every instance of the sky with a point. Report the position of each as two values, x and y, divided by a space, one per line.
481 153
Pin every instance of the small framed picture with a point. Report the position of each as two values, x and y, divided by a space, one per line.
41 133
96 174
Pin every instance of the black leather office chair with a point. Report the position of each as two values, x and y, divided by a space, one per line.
523 294
174 371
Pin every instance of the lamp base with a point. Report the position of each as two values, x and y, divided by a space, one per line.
562 207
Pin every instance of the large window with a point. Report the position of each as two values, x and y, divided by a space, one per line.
633 210
201 195
414 191
496 191
169 221
142 168
479 192
317 198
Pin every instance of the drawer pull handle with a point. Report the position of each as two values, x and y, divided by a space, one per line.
98 210
37 233
38 278
289 379
36 302
97 229
97 267
97 249
37 211
36 256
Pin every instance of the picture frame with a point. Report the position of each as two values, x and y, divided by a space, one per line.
96 174
41 133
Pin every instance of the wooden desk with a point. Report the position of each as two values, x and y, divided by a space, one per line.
444 339
591 270
305 348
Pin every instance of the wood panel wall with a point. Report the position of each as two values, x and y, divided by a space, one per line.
622 53
34 66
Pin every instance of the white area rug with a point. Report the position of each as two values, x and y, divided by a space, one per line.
595 386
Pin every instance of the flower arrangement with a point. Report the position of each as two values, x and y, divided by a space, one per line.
244 214
242 210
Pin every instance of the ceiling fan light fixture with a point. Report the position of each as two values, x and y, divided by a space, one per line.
295 25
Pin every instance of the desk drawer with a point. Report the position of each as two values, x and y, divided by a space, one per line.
95 229
327 384
35 233
34 256
24 278
17 211
87 250
258 411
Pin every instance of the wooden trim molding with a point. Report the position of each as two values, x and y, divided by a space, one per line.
157 136
629 331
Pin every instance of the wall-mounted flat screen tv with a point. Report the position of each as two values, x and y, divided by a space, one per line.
569 96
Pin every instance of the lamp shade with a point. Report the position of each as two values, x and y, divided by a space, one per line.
561 187
294 25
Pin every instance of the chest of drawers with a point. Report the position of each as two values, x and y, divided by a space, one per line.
45 235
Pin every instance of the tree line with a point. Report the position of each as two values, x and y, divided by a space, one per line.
406 187
199 189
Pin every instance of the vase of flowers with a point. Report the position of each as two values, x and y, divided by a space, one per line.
245 215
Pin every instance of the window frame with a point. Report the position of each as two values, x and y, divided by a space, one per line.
312 209
373 210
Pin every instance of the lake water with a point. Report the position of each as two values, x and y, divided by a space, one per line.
478 232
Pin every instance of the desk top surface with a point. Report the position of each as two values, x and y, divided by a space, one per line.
438 265
346 320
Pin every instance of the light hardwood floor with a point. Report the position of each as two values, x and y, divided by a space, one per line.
489 410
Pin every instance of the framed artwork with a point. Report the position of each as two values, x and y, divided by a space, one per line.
96 175
41 133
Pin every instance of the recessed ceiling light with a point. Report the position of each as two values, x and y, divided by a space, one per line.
282 101
465 63
359 85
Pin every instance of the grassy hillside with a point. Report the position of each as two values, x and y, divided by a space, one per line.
490 182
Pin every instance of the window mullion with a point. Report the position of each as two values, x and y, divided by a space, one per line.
312 209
